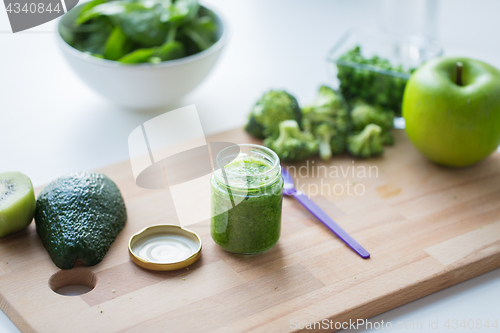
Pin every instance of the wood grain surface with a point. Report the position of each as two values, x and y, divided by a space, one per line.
426 227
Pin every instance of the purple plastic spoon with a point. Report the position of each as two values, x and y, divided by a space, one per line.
289 190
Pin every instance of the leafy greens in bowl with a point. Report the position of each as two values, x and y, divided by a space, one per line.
141 31
146 81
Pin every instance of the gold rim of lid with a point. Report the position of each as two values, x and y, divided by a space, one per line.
159 231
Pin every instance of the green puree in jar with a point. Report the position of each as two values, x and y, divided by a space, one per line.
246 205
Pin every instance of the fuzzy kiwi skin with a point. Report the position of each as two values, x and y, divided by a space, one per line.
19 214
78 217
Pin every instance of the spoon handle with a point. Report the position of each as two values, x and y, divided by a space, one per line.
331 224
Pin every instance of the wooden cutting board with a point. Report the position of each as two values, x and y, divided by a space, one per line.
426 227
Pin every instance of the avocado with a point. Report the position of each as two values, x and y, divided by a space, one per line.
78 217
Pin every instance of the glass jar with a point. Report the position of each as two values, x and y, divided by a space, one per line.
247 195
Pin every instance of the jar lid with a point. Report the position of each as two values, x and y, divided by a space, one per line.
164 247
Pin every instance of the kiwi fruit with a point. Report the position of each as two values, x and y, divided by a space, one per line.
17 202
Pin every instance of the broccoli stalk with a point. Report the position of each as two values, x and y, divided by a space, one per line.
292 144
330 142
269 111
367 143
324 133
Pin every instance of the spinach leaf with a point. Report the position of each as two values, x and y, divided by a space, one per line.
180 12
202 31
95 39
134 31
91 4
137 56
112 8
170 50
142 25
117 45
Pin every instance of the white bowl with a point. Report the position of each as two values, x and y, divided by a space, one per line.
142 86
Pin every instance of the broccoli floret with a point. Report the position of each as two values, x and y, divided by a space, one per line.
367 143
363 114
374 87
387 138
328 106
254 128
330 141
328 119
292 144
269 111
338 143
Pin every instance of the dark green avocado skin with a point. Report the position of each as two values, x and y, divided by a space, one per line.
78 217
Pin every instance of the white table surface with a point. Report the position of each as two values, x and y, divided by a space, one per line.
53 124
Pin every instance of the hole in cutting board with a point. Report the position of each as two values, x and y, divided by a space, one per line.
73 282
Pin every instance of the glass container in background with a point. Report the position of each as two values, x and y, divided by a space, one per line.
406 39
381 84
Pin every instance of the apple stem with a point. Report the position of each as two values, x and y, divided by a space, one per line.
459 66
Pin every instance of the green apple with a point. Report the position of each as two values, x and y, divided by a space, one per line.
451 107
